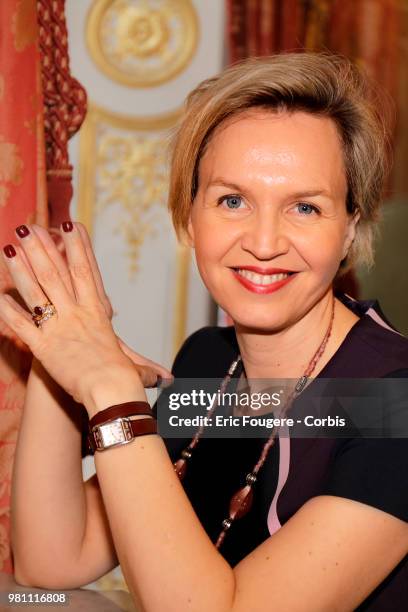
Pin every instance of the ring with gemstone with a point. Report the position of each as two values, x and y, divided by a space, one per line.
42 313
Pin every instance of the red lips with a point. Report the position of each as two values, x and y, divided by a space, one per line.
263 289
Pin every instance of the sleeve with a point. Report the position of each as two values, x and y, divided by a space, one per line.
373 471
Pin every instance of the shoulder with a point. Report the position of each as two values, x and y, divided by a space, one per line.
207 352
384 345
371 349
375 335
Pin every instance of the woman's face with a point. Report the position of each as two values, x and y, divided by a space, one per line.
269 223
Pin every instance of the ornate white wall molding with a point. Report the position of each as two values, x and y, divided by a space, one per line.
139 43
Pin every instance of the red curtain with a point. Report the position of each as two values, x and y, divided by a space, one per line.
41 107
373 33
22 200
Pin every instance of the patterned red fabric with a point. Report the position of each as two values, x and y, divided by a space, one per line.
373 33
35 178
22 200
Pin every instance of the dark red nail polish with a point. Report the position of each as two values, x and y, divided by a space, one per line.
22 231
10 251
67 226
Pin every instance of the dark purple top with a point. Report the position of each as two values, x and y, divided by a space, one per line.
373 471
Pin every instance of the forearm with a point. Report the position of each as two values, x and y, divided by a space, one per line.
48 501
157 535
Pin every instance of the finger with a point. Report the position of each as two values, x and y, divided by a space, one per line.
55 255
60 261
19 309
44 269
138 359
147 376
95 269
23 277
79 267
19 322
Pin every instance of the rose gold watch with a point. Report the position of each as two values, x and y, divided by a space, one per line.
119 431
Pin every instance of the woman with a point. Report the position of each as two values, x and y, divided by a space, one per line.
276 179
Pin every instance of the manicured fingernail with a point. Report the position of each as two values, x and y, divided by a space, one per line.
10 251
67 226
22 231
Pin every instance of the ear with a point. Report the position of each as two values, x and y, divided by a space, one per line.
350 232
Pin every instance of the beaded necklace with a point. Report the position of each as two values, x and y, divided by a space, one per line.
241 501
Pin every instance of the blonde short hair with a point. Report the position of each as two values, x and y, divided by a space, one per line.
318 83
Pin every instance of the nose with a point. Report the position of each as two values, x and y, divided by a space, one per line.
265 235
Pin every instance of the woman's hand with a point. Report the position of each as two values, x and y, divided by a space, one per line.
77 346
149 371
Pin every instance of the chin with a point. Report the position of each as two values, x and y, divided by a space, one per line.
258 320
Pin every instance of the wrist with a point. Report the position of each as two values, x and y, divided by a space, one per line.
114 388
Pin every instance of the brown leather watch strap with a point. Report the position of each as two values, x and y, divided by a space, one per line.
142 427
138 427
120 410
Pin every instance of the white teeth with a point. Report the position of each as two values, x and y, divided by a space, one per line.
262 279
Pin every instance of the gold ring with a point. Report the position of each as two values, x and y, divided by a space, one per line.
42 313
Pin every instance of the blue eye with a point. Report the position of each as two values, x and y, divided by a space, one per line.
307 209
232 201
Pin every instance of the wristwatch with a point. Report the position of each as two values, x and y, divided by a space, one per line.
113 426
119 431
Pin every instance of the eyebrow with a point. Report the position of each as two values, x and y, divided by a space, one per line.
220 182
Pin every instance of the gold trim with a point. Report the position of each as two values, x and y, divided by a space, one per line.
86 193
173 62
86 172
182 285
132 122
87 152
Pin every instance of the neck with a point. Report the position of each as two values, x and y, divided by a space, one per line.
287 353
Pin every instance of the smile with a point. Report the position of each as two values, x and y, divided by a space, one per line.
262 282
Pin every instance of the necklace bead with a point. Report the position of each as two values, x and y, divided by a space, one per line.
300 384
250 478
241 502
180 467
